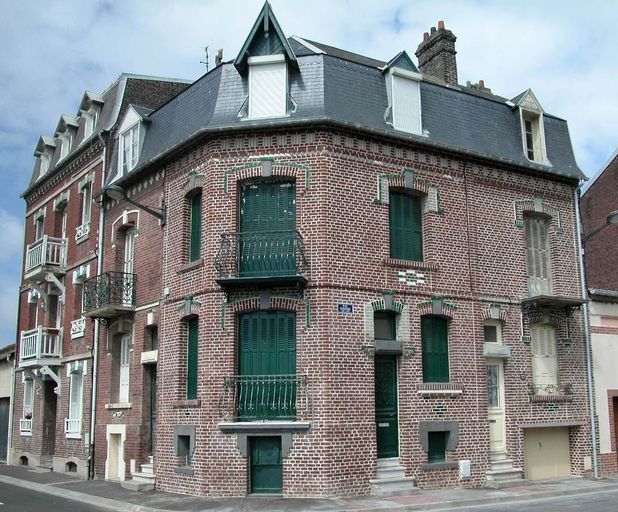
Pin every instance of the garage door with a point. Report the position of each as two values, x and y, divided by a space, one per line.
547 453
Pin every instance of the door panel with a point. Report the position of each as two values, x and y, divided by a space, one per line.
387 424
495 406
4 426
547 453
266 474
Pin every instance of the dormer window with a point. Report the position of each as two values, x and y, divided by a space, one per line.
66 141
44 158
532 127
129 142
267 86
404 94
91 117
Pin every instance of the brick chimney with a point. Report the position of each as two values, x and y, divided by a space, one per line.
436 55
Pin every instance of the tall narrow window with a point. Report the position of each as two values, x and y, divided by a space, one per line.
38 227
406 227
267 86
406 103
544 359
86 200
192 337
195 236
74 423
28 398
129 141
529 139
125 352
537 256
434 340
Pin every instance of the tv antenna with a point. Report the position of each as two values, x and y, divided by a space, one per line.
206 61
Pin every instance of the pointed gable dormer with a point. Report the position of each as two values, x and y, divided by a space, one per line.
65 133
131 133
44 153
404 94
89 110
265 59
532 126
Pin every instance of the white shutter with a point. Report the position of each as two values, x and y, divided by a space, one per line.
75 406
406 105
544 357
123 390
267 90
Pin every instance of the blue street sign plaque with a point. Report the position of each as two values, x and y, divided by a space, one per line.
346 309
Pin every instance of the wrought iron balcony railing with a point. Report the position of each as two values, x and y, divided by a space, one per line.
108 293
46 252
39 344
25 426
263 255
265 397
540 390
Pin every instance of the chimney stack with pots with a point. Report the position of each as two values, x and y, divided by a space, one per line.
436 55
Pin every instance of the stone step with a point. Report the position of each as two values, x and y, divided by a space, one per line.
144 477
497 456
390 462
385 487
148 468
390 472
500 465
136 485
504 475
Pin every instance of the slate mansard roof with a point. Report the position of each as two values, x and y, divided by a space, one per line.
347 90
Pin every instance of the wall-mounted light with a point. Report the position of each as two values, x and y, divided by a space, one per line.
119 194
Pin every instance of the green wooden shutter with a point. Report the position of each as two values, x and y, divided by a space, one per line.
437 446
434 339
192 335
406 227
196 227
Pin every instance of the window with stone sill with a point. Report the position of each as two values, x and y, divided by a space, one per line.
405 226
434 345
538 257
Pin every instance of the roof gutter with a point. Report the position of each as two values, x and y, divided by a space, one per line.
587 341
344 125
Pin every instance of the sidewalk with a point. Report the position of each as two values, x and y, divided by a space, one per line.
111 496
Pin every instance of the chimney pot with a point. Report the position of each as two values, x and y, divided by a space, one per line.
440 25
482 84
433 30
425 36
219 57
436 55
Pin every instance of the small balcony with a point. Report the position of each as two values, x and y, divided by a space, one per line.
109 295
40 347
25 426
72 427
261 259
265 397
45 255
550 392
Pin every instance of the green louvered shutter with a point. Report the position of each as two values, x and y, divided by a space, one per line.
196 227
434 339
406 227
192 335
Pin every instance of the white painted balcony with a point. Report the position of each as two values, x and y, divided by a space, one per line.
48 254
78 328
73 427
40 347
82 231
25 426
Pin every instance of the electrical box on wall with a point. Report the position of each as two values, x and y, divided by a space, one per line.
464 470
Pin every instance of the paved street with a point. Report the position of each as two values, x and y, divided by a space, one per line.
18 499
606 501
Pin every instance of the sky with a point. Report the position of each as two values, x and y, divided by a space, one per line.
565 51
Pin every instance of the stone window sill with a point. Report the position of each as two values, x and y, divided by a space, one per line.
187 404
184 470
439 389
421 265
187 267
543 399
73 435
121 405
253 427
431 466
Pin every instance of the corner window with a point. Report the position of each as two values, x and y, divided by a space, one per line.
405 99
267 86
406 227
195 234
434 341
437 446
192 337
129 142
537 256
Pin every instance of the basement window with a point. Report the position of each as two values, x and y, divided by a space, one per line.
437 446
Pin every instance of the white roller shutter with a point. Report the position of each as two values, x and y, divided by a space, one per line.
267 90
406 105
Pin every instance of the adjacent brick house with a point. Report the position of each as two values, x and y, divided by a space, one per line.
366 279
601 260
54 378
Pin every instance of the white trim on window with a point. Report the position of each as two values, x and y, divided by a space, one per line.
129 149
533 136
404 97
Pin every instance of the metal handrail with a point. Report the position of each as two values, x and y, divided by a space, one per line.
40 342
550 389
110 289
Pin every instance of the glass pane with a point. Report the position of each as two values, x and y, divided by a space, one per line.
384 326
493 389
437 446
490 333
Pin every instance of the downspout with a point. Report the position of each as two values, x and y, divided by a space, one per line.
587 342
9 438
95 356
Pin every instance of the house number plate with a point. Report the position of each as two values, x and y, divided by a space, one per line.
383 425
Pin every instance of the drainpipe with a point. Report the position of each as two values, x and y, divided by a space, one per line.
97 326
587 342
9 438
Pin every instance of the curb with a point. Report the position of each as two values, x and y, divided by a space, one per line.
105 503
123 506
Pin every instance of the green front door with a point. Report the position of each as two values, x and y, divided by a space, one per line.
267 365
267 245
387 425
266 475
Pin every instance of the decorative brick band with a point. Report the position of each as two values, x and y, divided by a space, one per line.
267 167
494 312
264 301
537 205
436 306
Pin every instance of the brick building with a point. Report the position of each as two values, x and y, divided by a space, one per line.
599 211
54 378
362 276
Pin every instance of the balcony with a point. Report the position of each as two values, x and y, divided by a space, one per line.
261 259
109 295
550 392
265 397
40 347
45 255
25 426
73 428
